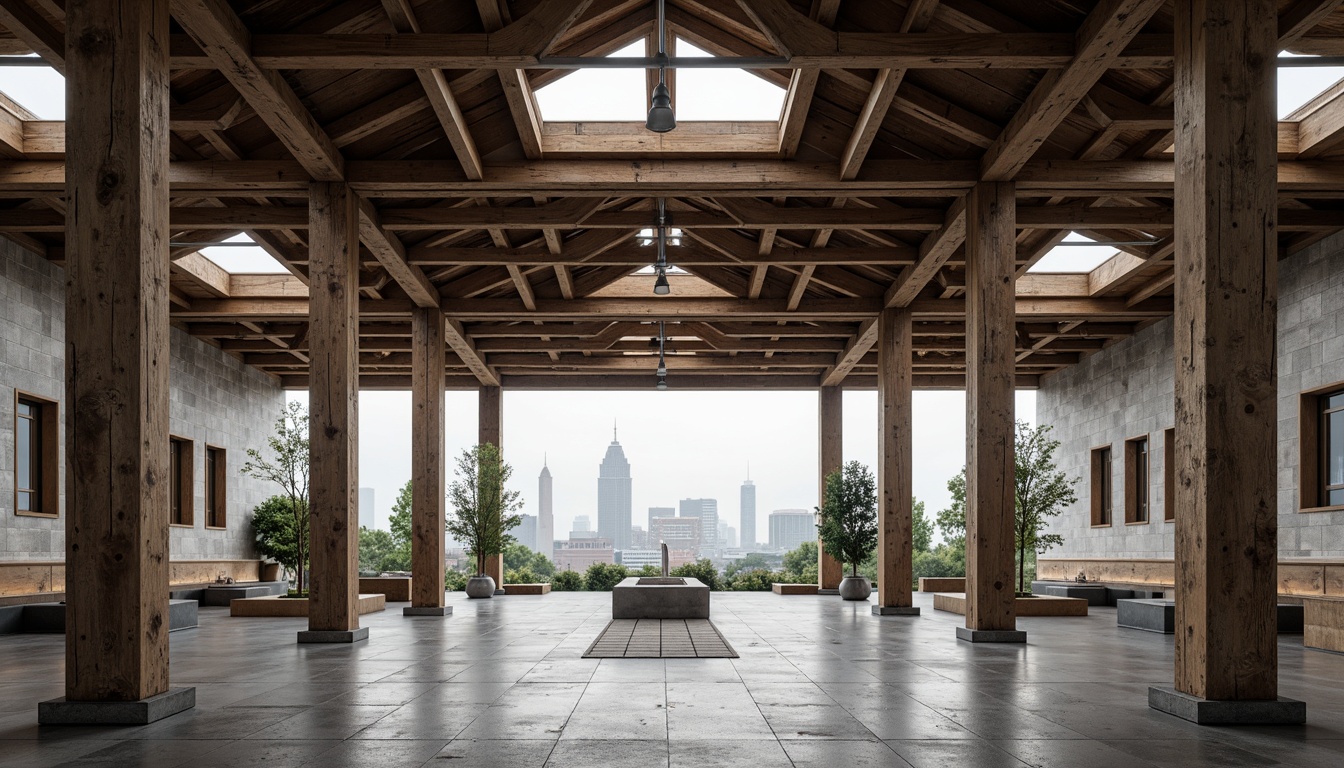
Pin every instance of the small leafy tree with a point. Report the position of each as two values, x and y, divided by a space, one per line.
703 570
921 531
376 549
952 521
848 527
482 505
454 581
601 577
288 469
521 557
273 528
797 561
567 581
751 562
752 580
1041 492
400 521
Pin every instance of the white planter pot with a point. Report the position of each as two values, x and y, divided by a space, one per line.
855 588
480 586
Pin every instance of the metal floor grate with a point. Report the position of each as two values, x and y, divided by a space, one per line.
660 639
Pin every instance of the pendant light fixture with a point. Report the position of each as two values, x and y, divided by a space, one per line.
660 285
661 118
662 360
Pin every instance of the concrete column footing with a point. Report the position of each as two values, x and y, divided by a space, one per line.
895 610
334 635
428 610
991 635
1280 711
141 712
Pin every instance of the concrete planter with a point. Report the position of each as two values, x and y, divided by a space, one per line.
955 602
855 588
397 589
480 587
543 588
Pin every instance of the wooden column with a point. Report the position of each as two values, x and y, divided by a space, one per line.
895 473
830 429
427 464
991 218
491 430
1226 372
117 360
333 395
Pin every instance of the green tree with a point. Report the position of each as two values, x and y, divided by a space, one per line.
921 531
751 562
375 548
289 470
952 521
521 557
848 513
454 581
1041 492
650 570
273 527
797 561
567 581
752 580
400 521
482 505
702 570
522 575
601 577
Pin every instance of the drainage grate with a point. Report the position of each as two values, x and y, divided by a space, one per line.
660 639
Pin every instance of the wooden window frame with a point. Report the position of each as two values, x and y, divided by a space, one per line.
1168 474
49 447
1138 480
1311 457
216 492
1103 487
183 482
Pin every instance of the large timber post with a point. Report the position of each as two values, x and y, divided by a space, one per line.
1226 367
117 360
895 472
427 466
830 449
333 395
491 430
991 251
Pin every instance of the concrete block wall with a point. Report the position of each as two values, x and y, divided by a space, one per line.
215 399
1127 390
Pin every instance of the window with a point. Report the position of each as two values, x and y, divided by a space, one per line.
36 456
1101 486
1169 474
215 499
181 469
1321 444
1137 492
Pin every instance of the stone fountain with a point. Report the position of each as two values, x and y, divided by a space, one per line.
660 597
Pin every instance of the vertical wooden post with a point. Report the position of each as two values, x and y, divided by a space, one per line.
117 360
895 472
491 430
991 221
333 395
830 430
1226 367
427 478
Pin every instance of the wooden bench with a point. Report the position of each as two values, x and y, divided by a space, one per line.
1323 623
397 589
942 583
543 588
294 606
793 589
955 602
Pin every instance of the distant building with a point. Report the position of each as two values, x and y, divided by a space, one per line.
660 512
545 537
366 516
730 540
708 512
639 538
583 523
791 527
721 535
614 496
681 533
526 532
638 558
747 507
578 554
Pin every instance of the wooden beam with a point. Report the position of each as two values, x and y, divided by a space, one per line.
227 42
390 253
117 352
895 469
802 86
934 252
440 95
333 338
830 452
1301 17
428 486
1110 26
990 578
1226 444
34 30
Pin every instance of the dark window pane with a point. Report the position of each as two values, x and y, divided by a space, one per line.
1334 431
24 464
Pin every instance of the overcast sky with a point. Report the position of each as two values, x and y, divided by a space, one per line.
679 444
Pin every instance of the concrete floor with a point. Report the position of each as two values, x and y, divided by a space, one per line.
820 682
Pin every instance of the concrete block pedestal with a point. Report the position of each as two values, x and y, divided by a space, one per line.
1205 712
895 610
334 635
141 712
991 635
443 610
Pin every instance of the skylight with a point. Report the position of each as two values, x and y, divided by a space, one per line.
245 258
590 95
1074 259
1299 85
40 90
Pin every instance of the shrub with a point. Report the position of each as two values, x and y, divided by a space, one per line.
274 526
753 580
566 581
649 570
522 576
454 581
702 570
601 577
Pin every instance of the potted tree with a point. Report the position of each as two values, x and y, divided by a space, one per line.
848 527
482 510
280 524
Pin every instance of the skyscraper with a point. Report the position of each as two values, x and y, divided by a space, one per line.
545 517
708 512
660 512
748 511
526 532
790 528
613 496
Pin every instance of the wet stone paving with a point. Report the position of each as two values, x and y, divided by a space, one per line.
818 682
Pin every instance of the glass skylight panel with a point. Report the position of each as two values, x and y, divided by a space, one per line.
246 258
1299 85
1074 259
40 90
648 237
597 94
723 94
